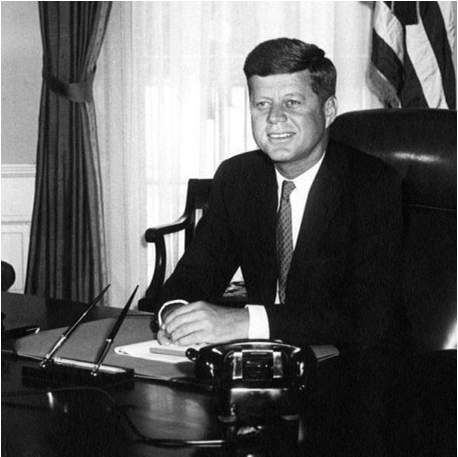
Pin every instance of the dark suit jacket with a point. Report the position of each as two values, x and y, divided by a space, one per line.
342 284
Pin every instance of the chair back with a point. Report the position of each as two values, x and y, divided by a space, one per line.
421 145
197 196
196 204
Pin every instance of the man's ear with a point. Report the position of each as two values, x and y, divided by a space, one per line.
330 110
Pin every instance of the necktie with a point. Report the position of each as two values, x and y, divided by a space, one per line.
284 238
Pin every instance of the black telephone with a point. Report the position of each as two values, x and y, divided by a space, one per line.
254 378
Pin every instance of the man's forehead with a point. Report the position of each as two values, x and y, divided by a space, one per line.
286 80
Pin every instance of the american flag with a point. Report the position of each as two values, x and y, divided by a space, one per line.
412 54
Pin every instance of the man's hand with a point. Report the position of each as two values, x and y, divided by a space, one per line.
202 322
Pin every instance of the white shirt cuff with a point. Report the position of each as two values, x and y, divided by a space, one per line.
165 305
258 327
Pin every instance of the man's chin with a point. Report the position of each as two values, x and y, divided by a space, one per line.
277 156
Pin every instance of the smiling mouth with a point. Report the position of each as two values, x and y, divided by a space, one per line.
280 136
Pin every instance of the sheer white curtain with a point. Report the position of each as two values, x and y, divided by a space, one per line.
172 103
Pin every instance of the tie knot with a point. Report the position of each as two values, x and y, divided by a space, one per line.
287 188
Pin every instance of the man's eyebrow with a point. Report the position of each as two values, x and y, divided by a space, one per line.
259 97
289 94
294 94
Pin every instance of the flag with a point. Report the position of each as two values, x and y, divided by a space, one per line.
412 54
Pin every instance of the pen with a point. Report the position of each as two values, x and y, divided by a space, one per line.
113 333
71 329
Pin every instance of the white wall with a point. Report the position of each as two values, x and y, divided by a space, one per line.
20 97
21 81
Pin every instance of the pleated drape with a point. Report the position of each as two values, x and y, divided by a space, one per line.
67 250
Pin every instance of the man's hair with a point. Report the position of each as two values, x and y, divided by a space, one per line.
288 55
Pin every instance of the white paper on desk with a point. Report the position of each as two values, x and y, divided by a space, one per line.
152 350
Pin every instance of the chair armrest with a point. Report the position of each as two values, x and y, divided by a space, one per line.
154 233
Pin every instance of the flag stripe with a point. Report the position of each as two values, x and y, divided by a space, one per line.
389 29
412 95
436 31
386 61
386 72
424 63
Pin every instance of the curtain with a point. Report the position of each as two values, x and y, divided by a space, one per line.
66 255
172 101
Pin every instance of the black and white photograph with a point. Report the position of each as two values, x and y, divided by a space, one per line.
229 228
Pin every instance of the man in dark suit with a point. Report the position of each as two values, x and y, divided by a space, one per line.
345 216
316 228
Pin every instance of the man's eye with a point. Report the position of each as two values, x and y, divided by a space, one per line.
261 105
293 103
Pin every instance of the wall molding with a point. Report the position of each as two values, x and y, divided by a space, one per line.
18 170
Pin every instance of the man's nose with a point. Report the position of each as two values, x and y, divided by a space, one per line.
276 114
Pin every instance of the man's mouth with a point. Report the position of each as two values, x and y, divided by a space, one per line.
280 136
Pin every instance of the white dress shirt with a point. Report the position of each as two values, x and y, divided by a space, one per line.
259 323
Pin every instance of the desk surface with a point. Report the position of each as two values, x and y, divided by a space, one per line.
88 422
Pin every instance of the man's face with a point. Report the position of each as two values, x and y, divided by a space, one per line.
289 122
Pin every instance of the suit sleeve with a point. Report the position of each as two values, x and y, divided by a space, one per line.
210 261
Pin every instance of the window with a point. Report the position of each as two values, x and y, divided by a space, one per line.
172 103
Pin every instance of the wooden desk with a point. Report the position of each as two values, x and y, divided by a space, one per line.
418 411
85 422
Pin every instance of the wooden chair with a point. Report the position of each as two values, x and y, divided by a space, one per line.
197 197
196 203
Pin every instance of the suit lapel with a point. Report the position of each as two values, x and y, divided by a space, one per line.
267 210
323 200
